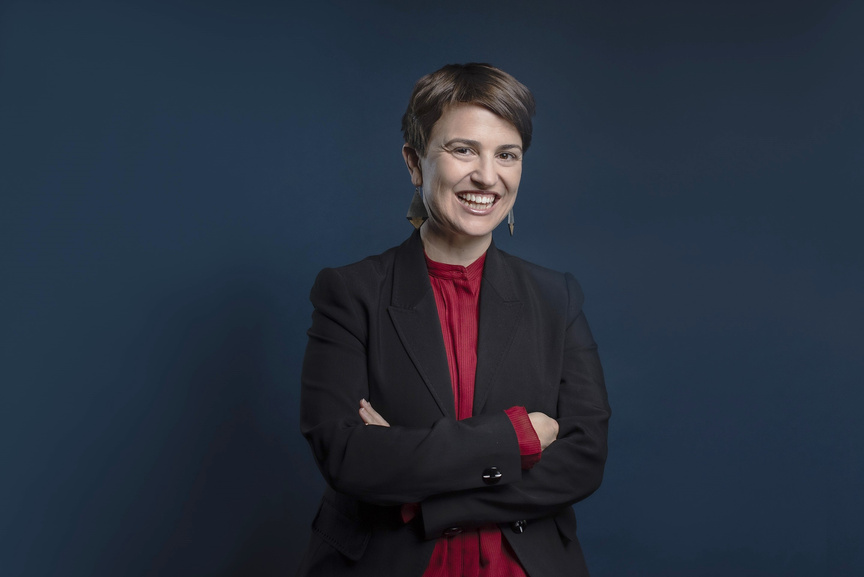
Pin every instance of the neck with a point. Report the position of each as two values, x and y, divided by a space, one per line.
448 249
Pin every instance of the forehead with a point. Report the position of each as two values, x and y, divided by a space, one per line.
473 122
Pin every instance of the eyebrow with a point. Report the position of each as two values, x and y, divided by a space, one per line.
476 144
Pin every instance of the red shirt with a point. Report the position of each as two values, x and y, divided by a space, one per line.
482 551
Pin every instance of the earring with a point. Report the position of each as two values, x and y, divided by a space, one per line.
511 222
417 211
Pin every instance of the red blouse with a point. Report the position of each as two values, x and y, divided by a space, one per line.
479 552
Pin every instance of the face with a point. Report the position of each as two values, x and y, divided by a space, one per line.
470 173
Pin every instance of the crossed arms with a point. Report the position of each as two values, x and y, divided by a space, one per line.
437 465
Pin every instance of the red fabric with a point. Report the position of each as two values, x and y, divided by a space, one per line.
529 442
483 551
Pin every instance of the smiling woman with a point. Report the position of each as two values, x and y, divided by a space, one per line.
452 393
470 176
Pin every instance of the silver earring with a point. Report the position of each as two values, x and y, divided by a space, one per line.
417 211
511 222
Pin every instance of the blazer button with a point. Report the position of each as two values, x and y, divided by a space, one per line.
492 475
519 526
452 531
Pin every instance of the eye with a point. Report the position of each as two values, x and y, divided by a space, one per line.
508 156
462 150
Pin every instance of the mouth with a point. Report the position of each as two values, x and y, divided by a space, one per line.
477 200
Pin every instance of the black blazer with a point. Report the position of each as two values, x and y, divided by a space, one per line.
376 335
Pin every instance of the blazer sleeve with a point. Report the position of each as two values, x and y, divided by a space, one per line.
384 465
570 469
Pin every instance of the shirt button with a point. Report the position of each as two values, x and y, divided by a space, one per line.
492 475
452 531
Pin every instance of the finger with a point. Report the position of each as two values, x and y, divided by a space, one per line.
371 418
367 406
367 418
371 415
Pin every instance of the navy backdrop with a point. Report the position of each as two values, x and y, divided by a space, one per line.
174 174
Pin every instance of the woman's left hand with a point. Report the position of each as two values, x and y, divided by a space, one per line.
370 416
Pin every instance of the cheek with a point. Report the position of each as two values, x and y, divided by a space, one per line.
432 177
513 180
449 172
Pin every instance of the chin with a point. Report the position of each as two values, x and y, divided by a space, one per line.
478 232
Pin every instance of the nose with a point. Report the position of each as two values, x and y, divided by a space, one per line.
485 174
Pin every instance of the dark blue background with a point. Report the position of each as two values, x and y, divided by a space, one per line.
173 175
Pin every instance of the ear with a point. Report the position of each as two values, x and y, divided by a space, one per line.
412 160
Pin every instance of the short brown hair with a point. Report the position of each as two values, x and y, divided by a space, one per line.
472 83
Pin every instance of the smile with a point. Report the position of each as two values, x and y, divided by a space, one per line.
477 201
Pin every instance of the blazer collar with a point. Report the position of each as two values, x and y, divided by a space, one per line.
411 284
415 316
411 277
500 317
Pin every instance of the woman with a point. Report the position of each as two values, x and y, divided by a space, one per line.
452 394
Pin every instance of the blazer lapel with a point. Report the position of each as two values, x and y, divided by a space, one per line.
415 317
500 315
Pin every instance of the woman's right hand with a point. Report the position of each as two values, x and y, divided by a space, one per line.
546 428
370 416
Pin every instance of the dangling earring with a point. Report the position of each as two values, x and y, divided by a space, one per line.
511 222
417 211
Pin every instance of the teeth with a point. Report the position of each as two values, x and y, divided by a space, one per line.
482 200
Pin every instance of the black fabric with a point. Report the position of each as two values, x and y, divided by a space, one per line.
375 334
